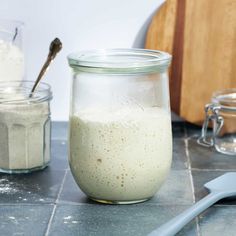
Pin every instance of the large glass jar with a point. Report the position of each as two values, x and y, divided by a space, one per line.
120 141
24 127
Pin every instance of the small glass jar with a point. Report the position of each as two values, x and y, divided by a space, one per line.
120 141
222 113
11 51
24 127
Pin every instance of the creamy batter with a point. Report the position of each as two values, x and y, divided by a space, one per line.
24 136
122 155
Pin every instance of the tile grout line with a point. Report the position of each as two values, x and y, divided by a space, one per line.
62 184
198 227
55 204
185 132
225 170
189 168
191 180
50 220
186 142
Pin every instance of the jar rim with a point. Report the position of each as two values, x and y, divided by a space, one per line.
12 21
8 89
8 26
226 98
120 59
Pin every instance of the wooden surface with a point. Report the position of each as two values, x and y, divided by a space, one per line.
201 36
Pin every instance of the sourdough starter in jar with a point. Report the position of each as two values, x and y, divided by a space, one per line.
120 155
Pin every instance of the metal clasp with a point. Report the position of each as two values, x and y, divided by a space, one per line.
211 114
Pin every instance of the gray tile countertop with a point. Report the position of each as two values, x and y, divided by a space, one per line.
49 202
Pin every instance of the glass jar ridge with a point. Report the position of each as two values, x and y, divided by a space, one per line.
120 61
25 127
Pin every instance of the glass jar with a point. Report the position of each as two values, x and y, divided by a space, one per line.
11 51
24 127
222 113
120 141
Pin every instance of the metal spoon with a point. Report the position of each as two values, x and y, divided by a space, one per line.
54 48
221 187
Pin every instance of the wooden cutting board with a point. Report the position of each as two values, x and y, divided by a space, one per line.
201 36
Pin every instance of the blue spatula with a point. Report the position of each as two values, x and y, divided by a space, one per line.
219 188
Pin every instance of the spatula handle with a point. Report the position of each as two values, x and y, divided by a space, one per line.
177 223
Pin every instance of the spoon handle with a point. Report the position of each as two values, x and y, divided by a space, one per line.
41 73
54 48
177 223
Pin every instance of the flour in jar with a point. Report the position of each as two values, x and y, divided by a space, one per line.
11 62
120 155
24 136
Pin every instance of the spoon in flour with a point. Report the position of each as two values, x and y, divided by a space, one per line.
219 188
54 48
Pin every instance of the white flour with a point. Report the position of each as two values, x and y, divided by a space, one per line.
7 187
24 136
11 62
